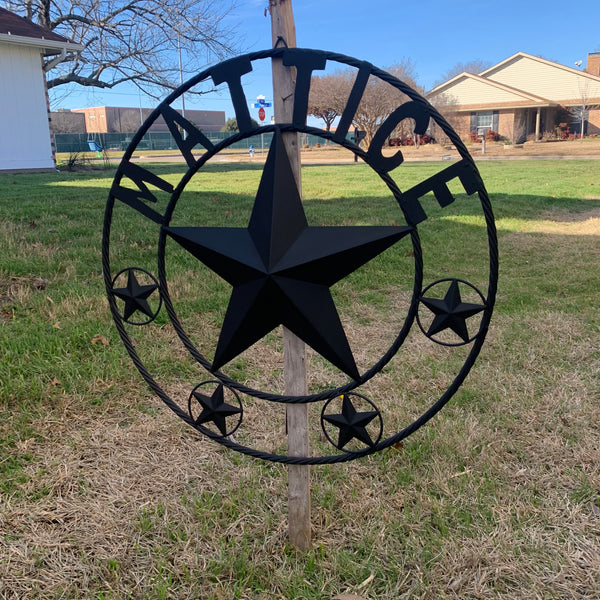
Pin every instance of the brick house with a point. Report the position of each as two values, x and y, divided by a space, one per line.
25 141
523 96
118 119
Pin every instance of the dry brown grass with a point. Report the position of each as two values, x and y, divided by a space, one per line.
503 504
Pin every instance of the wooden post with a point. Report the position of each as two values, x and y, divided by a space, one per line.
283 30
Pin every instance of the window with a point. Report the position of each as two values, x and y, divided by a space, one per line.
485 118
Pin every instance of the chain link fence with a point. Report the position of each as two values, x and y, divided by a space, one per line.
79 142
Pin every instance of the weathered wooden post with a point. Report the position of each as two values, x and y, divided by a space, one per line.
284 32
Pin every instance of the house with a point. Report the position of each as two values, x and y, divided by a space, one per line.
25 141
118 119
523 96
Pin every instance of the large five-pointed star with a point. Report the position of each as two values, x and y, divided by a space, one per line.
281 269
451 312
135 296
351 424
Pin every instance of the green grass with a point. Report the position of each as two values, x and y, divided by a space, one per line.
105 494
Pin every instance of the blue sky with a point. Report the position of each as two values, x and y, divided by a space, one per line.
434 35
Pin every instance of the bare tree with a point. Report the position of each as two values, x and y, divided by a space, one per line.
329 95
326 100
519 132
131 119
473 66
131 40
446 105
65 121
581 113
380 99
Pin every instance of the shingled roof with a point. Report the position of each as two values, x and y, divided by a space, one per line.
18 30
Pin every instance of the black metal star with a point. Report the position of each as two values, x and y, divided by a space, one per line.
215 409
451 312
281 269
135 296
352 424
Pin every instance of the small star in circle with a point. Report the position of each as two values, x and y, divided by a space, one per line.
451 312
135 296
215 409
352 424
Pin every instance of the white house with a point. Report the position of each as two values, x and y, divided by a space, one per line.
25 142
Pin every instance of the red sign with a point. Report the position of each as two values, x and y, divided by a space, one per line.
261 114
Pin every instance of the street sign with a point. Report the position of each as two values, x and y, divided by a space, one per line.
261 102
261 113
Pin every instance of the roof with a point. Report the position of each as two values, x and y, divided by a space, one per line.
519 95
520 80
17 30
543 61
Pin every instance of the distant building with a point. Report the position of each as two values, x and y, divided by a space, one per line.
65 121
116 119
522 96
25 142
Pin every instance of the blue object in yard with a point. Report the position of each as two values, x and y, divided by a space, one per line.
95 147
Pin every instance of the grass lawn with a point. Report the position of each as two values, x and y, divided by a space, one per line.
104 493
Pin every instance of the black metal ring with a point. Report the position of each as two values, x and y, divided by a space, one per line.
492 279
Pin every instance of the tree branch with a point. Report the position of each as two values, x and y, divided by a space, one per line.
132 40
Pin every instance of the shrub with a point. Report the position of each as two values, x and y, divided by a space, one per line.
410 141
76 160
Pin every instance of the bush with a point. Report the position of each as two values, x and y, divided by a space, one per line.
410 141
490 136
76 161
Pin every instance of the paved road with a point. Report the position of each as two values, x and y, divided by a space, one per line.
324 159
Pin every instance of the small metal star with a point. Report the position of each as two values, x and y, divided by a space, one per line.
135 296
215 409
352 424
451 312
